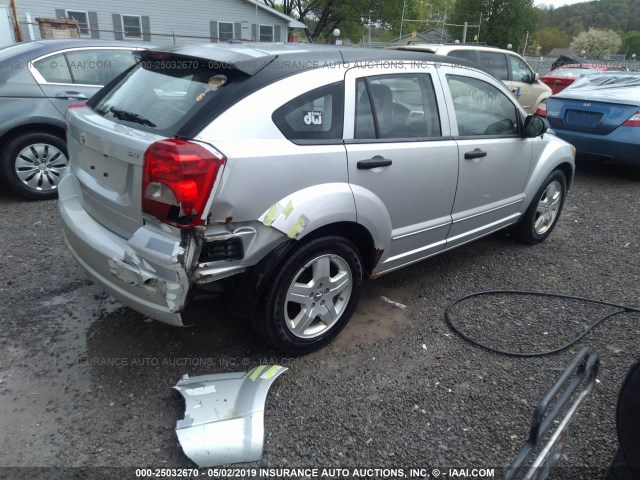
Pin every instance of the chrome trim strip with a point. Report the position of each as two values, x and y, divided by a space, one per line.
421 231
488 211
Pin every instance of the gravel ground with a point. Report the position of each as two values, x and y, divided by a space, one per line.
396 389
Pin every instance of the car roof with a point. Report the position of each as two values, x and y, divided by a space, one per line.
294 57
28 50
263 64
443 48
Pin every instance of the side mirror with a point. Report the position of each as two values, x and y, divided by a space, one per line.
534 126
536 77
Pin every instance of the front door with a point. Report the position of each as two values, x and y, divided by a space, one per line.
494 159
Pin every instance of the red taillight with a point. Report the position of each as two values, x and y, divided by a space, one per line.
178 178
541 109
634 121
76 105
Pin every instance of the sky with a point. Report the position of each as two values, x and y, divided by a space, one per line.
559 3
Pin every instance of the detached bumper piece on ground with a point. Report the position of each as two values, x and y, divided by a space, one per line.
224 415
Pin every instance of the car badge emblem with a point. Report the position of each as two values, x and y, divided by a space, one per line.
83 138
587 104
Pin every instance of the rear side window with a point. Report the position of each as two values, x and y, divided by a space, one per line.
496 63
396 106
316 115
464 54
54 69
158 93
98 67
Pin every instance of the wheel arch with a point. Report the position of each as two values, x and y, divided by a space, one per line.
37 127
254 282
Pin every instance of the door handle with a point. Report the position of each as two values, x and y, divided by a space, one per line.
377 161
477 153
71 94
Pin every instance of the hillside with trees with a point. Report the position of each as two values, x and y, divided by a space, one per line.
559 26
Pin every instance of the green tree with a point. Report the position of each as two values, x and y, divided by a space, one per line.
630 44
550 38
596 43
352 17
503 21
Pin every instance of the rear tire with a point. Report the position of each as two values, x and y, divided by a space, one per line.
32 163
312 295
544 212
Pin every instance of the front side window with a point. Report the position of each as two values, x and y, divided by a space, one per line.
225 31
396 106
316 115
266 33
519 70
496 63
132 26
482 109
83 21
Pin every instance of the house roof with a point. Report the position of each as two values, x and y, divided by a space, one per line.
293 23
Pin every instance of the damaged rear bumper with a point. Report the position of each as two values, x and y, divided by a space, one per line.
143 272
224 415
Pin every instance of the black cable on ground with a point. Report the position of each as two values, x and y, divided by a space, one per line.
457 331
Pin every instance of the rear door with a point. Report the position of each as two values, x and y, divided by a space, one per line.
401 156
74 75
494 160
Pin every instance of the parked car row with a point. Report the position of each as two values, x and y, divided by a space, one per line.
191 168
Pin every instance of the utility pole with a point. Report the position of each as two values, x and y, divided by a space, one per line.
526 40
402 19
464 33
16 23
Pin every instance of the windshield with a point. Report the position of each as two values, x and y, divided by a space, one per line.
158 93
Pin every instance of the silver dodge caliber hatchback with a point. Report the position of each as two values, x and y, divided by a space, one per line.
286 175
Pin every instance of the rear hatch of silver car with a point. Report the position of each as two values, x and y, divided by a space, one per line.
108 137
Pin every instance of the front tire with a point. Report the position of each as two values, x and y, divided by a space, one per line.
32 164
312 296
544 212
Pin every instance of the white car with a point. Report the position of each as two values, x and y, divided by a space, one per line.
289 174
506 65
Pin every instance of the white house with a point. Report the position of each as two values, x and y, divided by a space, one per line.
162 21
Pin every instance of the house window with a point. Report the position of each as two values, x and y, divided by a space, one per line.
132 26
83 21
225 31
266 33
